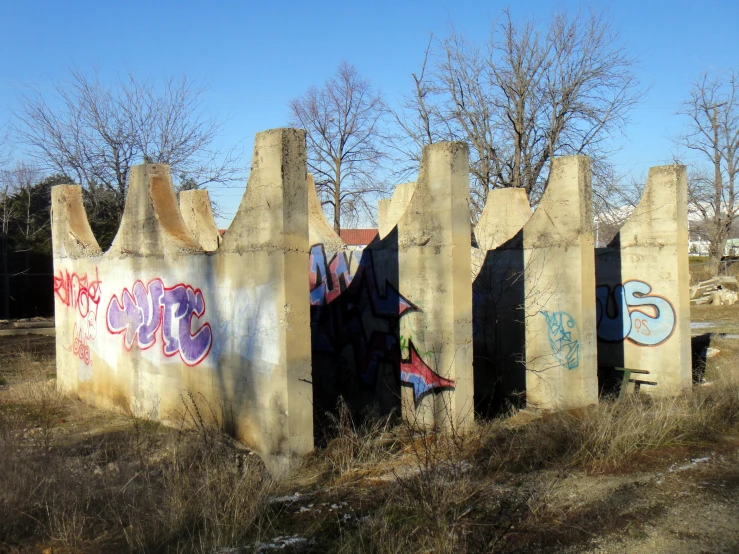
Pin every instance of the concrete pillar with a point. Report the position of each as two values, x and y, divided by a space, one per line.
198 216
643 290
434 240
535 302
559 276
263 258
152 223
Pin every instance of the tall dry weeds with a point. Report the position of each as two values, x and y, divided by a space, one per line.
140 489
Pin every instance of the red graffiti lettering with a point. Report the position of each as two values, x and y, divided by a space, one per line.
78 292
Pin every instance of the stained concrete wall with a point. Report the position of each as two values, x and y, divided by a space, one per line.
391 325
198 216
534 298
156 317
643 297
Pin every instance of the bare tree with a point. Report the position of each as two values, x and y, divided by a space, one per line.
713 132
17 192
524 97
96 133
342 121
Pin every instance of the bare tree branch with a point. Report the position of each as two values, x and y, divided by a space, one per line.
95 133
712 131
522 98
342 120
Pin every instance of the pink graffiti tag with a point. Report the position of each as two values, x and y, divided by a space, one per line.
146 310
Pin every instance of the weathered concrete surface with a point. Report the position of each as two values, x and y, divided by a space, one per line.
535 303
198 216
320 231
390 210
156 318
506 212
391 326
643 294
434 241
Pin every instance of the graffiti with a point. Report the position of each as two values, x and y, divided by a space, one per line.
630 312
341 303
564 338
151 308
327 286
78 292
82 294
415 373
79 346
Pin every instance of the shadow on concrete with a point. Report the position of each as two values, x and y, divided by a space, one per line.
609 315
355 332
499 330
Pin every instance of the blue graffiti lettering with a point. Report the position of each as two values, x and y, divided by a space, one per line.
631 312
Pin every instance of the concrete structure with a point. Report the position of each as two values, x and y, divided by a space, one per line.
506 212
434 241
390 210
198 217
175 313
156 317
535 300
391 325
643 289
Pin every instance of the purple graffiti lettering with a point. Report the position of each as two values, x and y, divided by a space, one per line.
151 308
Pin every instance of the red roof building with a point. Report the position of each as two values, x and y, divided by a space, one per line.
358 237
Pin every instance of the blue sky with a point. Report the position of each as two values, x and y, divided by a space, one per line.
256 56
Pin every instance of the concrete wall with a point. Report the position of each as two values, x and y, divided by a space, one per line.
171 310
643 297
390 210
506 212
198 216
391 325
534 321
156 317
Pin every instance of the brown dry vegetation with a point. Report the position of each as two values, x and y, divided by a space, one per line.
609 478
700 269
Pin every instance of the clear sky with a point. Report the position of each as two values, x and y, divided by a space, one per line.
256 56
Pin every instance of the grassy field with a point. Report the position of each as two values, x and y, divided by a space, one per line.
630 475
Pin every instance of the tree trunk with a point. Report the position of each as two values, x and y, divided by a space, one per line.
337 199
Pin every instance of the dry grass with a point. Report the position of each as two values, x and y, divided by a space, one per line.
138 487
449 497
700 269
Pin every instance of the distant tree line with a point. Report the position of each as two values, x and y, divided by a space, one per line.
26 278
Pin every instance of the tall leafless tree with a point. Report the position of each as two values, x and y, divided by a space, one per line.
523 97
342 120
95 133
713 133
